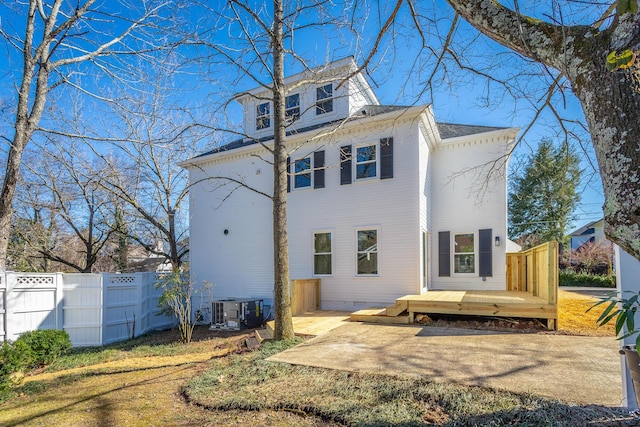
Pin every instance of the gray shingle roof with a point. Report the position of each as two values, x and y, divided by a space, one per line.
453 130
447 130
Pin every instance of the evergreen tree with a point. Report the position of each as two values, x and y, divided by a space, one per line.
543 197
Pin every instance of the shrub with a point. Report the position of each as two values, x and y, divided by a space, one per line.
10 363
43 347
572 278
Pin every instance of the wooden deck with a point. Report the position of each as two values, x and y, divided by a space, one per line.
475 303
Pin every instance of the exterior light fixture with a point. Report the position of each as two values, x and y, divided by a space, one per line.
497 240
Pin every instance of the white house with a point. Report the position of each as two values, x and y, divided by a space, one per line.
383 201
591 232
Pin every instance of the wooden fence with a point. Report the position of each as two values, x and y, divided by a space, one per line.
305 296
535 271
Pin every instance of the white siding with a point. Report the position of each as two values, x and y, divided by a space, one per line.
424 182
239 264
389 205
465 201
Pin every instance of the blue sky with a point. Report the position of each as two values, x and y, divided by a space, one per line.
399 73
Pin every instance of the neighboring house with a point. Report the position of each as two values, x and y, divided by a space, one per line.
383 201
591 232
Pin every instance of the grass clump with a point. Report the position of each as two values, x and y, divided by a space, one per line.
248 382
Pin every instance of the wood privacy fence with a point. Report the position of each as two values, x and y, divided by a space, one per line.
535 271
94 309
305 296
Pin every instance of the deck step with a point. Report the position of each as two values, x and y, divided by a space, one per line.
395 310
378 315
264 334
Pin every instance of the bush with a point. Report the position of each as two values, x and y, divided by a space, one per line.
42 347
572 278
10 363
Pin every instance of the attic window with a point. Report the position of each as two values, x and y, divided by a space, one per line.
263 117
292 107
324 99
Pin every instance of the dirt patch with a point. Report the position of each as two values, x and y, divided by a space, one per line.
134 391
501 324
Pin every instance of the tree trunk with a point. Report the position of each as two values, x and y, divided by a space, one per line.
283 321
610 100
611 104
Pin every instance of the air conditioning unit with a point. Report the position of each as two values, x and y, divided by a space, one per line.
234 314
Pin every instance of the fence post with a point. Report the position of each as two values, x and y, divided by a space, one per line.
59 282
10 280
3 305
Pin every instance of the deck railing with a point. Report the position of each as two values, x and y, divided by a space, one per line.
535 271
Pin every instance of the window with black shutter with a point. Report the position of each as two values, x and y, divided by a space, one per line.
318 169
345 164
444 254
386 158
486 252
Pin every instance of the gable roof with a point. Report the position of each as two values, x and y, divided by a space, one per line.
446 130
583 230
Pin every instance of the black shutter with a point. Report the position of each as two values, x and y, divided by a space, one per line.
288 174
345 165
486 252
444 253
386 158
318 169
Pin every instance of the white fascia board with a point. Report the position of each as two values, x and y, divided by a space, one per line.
492 136
408 114
429 127
365 88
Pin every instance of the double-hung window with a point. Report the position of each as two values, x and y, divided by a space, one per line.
292 107
464 253
263 116
302 173
324 99
366 161
367 252
321 253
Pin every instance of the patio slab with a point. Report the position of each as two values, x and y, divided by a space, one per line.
580 370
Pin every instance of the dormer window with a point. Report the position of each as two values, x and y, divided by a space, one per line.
263 117
324 99
292 107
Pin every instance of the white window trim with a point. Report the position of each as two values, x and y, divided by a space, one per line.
355 250
355 162
291 119
313 252
475 253
308 171
322 100
266 116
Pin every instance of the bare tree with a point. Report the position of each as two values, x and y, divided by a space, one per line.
53 38
262 42
587 48
80 211
598 59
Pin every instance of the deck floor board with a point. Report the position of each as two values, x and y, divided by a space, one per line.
479 303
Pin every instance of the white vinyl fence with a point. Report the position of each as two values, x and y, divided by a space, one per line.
94 309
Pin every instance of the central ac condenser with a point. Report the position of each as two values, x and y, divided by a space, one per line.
235 314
